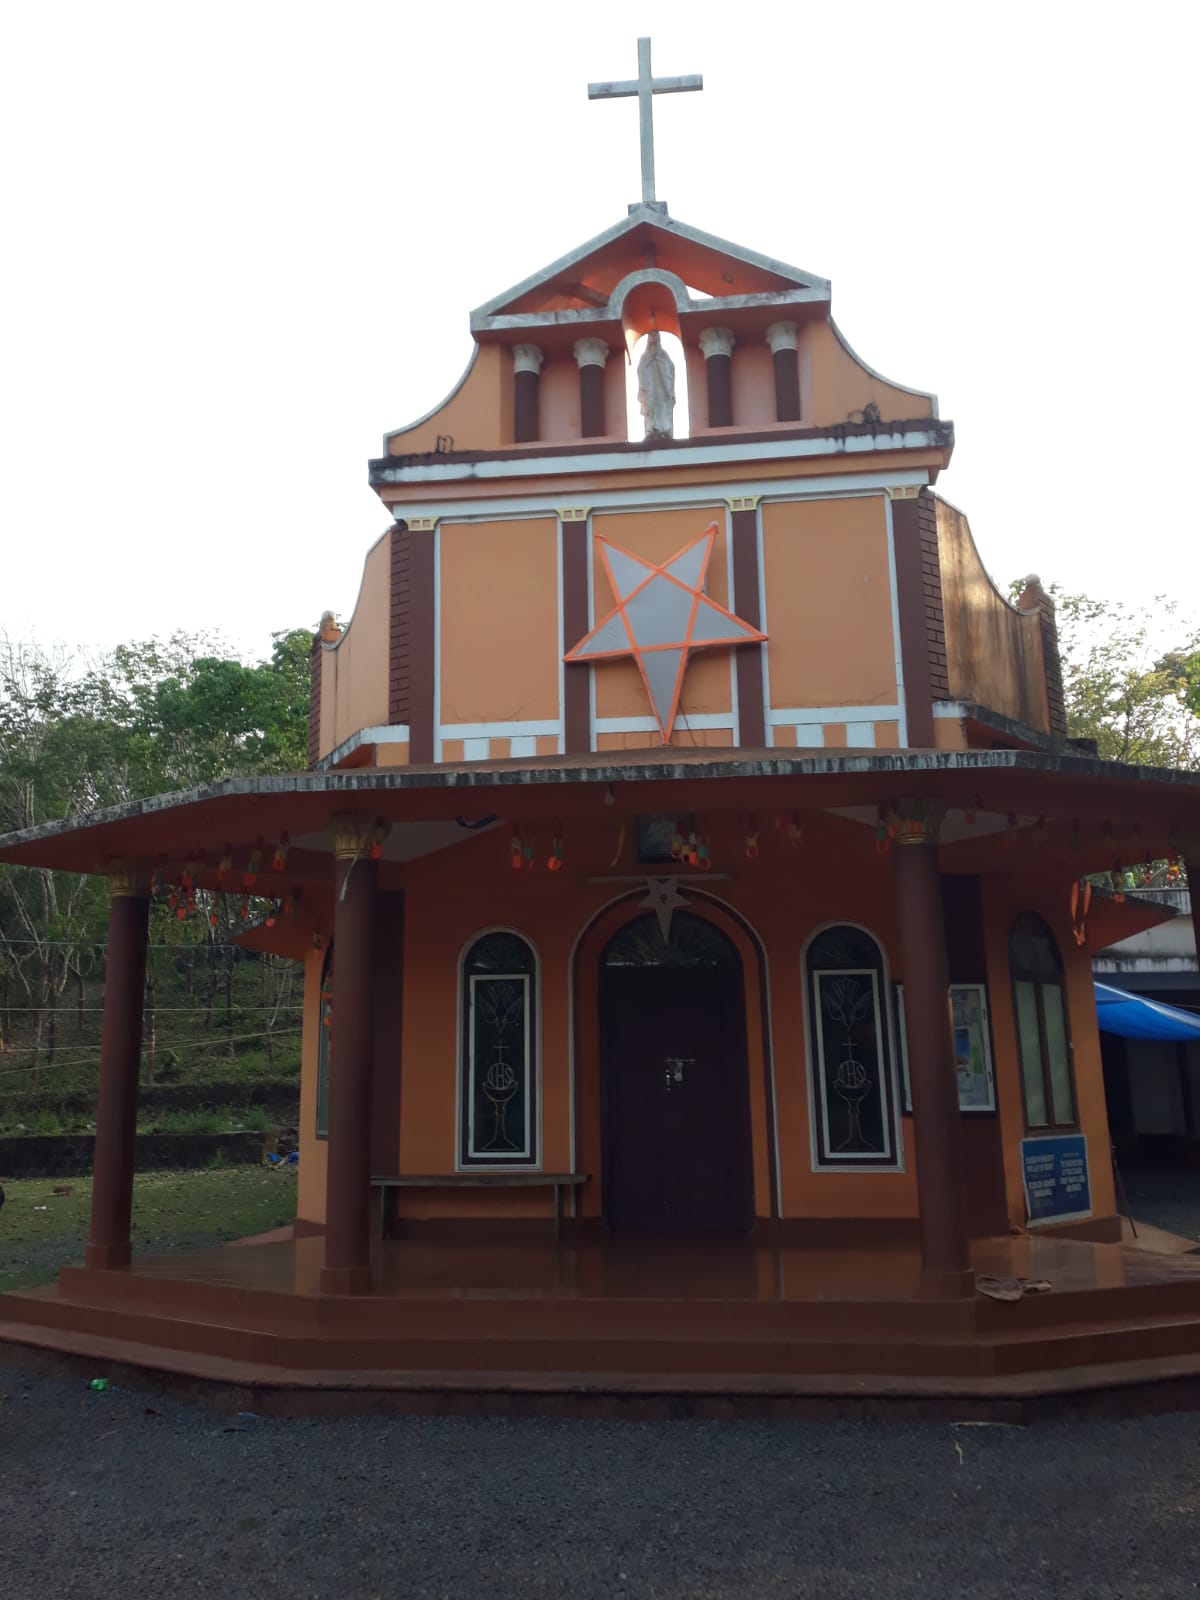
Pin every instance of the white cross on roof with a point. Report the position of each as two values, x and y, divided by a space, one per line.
645 86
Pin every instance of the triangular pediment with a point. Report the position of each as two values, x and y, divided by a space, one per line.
585 278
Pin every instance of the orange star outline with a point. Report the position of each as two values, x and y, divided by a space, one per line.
740 633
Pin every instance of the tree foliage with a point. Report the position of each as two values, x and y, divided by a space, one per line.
1139 701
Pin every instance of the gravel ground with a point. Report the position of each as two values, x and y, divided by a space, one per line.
99 1498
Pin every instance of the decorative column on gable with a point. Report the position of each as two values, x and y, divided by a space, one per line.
784 342
527 368
717 345
592 357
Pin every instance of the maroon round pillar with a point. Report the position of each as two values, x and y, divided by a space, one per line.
347 1268
783 338
120 1057
527 367
945 1246
592 356
717 345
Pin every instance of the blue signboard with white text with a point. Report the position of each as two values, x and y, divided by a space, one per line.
1055 1174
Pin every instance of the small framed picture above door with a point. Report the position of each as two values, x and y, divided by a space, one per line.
972 1047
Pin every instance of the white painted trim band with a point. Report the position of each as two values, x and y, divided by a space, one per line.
794 716
550 728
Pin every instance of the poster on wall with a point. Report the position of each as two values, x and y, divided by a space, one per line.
1054 1172
972 1047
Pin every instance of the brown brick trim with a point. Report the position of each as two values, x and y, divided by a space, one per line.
746 603
577 711
931 583
314 701
915 630
1052 662
422 634
399 624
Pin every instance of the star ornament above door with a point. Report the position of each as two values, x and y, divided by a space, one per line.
662 614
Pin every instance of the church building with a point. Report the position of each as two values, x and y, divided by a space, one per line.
691 884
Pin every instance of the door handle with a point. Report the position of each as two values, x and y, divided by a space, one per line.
674 1070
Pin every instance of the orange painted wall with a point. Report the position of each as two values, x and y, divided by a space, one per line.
354 671
834 385
499 625
993 651
753 378
657 536
1004 898
829 603
477 414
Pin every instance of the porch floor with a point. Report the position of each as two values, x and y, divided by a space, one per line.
620 1316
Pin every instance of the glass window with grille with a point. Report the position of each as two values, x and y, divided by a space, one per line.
498 1070
850 1057
1043 1029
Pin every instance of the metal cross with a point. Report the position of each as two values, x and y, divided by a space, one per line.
645 86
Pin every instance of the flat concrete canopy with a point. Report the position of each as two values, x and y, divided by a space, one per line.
1015 801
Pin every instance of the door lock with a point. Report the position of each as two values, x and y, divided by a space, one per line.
675 1066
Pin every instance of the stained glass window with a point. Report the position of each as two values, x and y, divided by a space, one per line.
853 1086
1043 1032
499 1067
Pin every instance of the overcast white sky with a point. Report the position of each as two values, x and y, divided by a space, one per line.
242 241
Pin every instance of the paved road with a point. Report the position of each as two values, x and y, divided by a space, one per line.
99 1499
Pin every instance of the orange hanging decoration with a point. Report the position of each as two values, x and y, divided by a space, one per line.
795 830
620 850
1081 900
1118 882
516 851
252 866
377 838
279 859
555 861
752 839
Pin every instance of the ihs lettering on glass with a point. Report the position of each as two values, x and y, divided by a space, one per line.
501 1009
848 1002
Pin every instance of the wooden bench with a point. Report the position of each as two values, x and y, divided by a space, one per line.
558 1181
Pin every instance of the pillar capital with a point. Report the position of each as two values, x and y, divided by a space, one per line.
127 879
528 358
358 838
916 821
717 342
782 336
591 352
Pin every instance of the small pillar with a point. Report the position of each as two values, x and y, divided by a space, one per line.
120 1056
717 345
591 355
347 1268
527 371
937 1131
784 343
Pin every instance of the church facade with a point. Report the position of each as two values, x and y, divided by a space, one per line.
691 856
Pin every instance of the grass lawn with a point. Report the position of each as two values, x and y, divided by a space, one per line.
41 1231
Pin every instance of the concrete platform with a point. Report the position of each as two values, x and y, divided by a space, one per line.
616 1325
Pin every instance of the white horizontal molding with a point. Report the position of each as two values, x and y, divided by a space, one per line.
827 486
500 730
497 469
683 721
794 717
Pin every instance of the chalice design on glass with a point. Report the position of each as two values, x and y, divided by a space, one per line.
848 1002
501 1008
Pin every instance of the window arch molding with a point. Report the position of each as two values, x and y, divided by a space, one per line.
498 1059
850 1041
1042 1023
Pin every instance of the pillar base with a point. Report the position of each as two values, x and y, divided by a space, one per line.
107 1256
938 1285
345 1280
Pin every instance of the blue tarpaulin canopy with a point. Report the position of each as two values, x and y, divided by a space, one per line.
1135 1018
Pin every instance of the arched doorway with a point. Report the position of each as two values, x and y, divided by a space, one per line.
677 1154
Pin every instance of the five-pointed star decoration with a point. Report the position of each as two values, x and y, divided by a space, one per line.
664 900
662 614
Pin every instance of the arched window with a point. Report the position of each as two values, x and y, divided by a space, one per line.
498 1072
324 1041
1043 1032
850 1059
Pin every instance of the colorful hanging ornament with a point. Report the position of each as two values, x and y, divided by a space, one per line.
1117 879
530 850
677 841
225 866
752 839
377 837
1081 900
703 854
516 851
279 859
795 830
253 863
555 861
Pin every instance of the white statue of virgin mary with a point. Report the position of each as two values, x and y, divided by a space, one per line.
656 389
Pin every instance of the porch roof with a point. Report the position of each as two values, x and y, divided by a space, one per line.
1020 802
